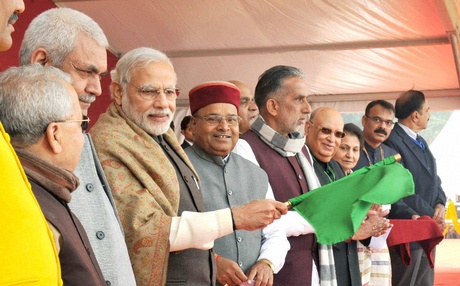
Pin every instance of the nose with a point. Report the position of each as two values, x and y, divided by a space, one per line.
94 86
20 7
306 107
161 101
349 153
223 125
253 106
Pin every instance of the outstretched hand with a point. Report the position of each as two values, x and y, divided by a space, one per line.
375 224
257 214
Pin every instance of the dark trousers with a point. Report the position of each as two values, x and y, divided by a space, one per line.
418 273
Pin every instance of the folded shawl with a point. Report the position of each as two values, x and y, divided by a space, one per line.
145 188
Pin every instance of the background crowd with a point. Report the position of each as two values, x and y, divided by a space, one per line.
127 204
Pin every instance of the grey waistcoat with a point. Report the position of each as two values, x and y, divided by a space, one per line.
237 182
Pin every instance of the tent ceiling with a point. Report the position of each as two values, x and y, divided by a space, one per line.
350 50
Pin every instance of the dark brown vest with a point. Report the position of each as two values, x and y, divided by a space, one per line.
189 266
78 263
287 181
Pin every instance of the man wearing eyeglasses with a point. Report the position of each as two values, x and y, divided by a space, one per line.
324 133
168 231
81 53
377 122
228 180
17 197
41 113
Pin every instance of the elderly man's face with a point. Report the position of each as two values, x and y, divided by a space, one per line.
217 139
248 109
293 107
86 64
323 134
72 139
377 125
153 115
8 16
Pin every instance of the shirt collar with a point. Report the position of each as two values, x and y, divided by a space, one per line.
408 131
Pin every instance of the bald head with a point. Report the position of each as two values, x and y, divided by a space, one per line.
248 109
324 133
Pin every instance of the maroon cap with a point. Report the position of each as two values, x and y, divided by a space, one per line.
213 92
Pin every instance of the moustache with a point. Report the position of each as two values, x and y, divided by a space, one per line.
90 98
13 18
380 130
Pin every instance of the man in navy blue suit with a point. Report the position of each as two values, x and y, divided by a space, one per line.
413 113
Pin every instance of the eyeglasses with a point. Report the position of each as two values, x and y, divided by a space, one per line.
148 92
84 122
379 120
215 120
329 131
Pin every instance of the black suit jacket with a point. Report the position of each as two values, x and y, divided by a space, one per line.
345 253
428 190
185 144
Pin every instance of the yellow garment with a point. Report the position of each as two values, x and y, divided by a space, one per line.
27 251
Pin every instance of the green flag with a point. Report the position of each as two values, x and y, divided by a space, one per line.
336 210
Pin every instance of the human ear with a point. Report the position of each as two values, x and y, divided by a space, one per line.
307 128
117 92
192 125
272 107
53 136
41 56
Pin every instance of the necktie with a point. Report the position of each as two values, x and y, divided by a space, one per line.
420 143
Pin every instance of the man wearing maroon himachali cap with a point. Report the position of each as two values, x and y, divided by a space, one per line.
168 231
229 180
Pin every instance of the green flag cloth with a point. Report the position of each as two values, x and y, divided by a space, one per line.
336 210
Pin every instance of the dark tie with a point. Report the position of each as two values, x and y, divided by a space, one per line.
420 143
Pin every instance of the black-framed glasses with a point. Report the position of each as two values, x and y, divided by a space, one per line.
329 131
214 119
379 120
84 122
149 92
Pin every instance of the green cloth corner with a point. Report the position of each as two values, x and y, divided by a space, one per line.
336 210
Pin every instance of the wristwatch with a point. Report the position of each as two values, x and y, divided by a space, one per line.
269 263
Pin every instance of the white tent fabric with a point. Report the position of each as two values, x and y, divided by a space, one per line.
447 157
351 51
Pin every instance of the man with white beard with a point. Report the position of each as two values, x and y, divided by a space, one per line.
169 235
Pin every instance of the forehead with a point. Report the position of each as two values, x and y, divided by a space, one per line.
379 110
155 73
425 105
88 54
245 92
218 108
329 118
351 140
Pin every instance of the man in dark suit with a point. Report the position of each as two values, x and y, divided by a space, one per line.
413 113
186 130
